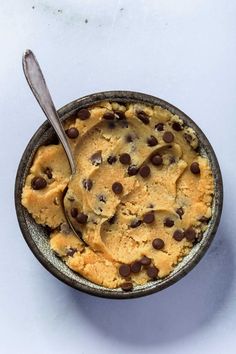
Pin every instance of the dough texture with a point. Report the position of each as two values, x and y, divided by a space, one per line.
117 229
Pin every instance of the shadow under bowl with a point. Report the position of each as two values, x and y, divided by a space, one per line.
37 236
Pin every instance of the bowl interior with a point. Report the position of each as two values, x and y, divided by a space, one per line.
37 236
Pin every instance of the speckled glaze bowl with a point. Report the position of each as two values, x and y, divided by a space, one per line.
36 235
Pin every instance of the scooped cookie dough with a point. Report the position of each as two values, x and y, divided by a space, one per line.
140 199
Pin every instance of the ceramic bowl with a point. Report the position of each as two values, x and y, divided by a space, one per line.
37 236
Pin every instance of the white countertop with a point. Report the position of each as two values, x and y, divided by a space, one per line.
182 51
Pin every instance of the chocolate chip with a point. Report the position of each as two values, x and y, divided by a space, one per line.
132 170
125 159
204 220
180 212
194 168
82 218
38 183
152 141
159 127
135 267
176 126
145 261
74 212
117 188
111 159
143 117
168 137
129 138
71 251
102 198
96 158
112 220
127 286
108 116
188 138
135 223
120 115
149 217
190 234
144 171
152 272
124 270
156 160
83 114
72 133
158 243
168 222
87 184
48 172
178 235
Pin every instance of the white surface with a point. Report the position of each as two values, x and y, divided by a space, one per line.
182 51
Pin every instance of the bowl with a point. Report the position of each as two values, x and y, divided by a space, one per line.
36 235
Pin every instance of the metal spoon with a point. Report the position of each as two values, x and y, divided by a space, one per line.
37 83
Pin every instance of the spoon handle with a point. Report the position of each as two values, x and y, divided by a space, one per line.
39 88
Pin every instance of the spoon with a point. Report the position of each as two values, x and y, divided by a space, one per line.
37 83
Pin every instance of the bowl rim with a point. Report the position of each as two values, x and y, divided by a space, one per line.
120 96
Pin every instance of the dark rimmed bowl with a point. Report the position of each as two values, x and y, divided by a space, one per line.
36 235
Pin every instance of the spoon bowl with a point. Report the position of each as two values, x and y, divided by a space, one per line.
37 236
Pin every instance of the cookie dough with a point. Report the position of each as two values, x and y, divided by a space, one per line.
141 196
